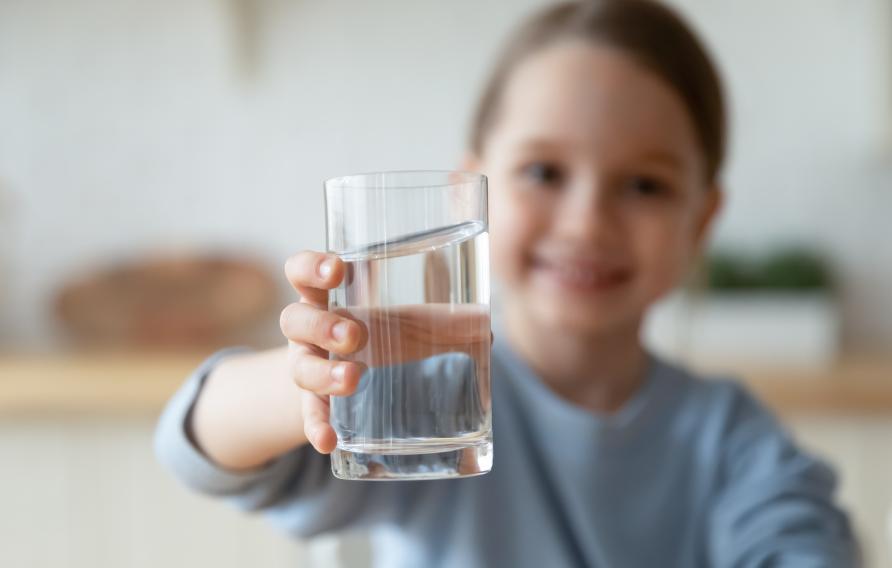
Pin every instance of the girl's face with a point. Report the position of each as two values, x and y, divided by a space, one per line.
598 198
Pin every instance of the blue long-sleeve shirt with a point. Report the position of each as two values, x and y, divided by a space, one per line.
690 473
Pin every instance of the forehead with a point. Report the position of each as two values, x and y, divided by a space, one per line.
596 97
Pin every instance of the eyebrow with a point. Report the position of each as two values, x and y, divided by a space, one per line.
542 144
653 155
664 157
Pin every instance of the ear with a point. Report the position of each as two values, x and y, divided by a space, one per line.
712 205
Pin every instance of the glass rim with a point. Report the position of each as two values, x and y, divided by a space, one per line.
337 182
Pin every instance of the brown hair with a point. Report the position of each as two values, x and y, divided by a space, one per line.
650 32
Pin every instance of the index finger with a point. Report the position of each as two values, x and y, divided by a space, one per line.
313 273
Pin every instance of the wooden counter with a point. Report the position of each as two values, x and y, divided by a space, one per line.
856 384
141 383
91 384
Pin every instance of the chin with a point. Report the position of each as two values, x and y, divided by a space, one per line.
583 320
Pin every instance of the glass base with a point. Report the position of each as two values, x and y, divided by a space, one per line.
416 459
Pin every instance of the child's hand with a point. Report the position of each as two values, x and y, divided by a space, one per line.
312 332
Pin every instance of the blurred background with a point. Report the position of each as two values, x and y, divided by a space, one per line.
160 160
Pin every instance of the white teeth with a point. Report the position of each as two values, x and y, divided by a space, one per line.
581 275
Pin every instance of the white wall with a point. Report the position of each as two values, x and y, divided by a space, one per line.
131 124
811 89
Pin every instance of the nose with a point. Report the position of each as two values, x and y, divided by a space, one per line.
586 214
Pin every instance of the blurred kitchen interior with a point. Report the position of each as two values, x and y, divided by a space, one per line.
160 160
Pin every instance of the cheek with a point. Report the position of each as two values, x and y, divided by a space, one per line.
512 230
664 249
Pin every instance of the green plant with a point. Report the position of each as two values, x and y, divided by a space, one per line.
787 269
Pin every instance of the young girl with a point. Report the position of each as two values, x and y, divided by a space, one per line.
602 132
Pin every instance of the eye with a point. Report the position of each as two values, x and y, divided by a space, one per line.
647 186
543 173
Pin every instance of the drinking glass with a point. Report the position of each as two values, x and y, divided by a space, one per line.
416 249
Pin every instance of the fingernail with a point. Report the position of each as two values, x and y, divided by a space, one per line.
338 373
339 331
325 268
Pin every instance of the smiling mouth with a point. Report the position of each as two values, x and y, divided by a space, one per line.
582 275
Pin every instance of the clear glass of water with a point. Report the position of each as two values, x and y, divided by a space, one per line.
416 249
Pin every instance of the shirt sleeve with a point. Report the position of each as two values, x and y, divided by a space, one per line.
776 506
297 491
